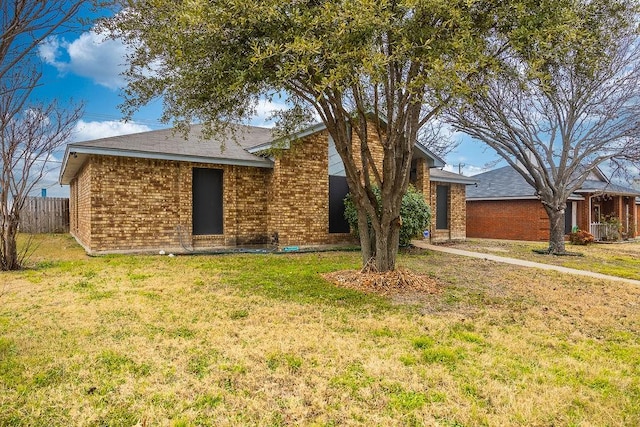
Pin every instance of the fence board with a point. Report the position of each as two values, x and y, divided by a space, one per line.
45 215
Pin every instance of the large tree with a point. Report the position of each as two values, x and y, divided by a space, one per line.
29 132
566 99
363 67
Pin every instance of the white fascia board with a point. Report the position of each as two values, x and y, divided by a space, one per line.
287 140
65 158
465 181
437 161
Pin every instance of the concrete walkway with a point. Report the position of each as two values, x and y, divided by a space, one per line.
521 263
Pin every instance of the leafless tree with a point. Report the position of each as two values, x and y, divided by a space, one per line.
29 132
27 142
558 110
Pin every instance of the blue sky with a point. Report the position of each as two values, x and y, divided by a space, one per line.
84 67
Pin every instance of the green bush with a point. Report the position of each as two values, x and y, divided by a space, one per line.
414 212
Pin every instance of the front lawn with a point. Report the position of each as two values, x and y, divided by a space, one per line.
265 340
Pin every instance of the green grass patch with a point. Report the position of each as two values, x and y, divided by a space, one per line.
407 400
442 355
265 340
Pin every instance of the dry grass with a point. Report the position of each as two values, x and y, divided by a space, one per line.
265 340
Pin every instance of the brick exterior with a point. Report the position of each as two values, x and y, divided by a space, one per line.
527 219
130 204
123 204
507 219
298 205
457 213
80 206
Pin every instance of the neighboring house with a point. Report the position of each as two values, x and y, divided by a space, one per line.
157 191
504 206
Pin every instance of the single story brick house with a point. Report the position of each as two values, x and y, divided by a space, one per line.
504 206
157 190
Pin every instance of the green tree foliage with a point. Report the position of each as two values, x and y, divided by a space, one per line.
414 212
364 67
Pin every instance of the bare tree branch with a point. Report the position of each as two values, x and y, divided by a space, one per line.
556 118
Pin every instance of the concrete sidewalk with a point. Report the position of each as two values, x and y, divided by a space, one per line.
521 263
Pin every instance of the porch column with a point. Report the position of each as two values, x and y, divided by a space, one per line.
619 208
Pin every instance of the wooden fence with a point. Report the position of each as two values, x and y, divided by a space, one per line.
45 215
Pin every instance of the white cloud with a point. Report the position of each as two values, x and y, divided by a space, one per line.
264 110
48 50
86 131
467 170
91 55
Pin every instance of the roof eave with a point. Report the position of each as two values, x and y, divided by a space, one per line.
453 180
80 149
65 159
478 199
607 191
511 198
437 161
285 141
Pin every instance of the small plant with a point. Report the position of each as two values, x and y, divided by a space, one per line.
581 237
613 228
415 214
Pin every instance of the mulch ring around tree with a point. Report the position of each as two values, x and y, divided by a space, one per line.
390 284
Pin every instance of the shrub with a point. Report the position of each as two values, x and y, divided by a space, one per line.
581 237
414 212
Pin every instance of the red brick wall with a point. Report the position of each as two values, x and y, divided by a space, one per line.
513 220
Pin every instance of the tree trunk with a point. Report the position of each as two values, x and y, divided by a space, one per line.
387 242
367 250
556 229
9 255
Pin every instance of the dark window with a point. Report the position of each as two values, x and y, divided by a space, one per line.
568 218
338 189
442 207
413 173
207 201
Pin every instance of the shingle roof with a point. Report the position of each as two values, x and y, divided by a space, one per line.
501 183
440 175
592 186
507 183
167 141
166 144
